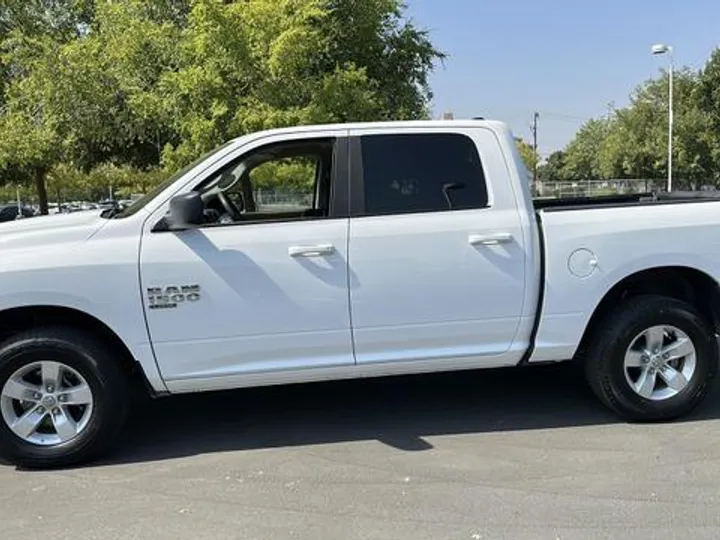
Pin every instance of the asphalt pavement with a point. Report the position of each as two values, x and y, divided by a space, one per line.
516 454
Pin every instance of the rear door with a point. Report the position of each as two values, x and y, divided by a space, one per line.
437 258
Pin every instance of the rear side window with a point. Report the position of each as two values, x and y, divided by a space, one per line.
433 172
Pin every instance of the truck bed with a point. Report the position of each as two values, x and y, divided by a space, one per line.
590 245
634 199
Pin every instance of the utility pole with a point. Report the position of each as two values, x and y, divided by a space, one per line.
610 110
534 129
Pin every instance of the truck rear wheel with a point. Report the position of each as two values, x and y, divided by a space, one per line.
63 398
652 359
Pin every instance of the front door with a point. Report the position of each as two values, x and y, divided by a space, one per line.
437 264
264 287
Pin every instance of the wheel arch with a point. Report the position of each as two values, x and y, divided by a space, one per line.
680 282
19 319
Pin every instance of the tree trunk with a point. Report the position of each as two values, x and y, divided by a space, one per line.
41 190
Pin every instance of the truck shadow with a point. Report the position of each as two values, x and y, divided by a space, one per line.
399 411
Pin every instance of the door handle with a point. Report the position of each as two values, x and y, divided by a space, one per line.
311 251
490 239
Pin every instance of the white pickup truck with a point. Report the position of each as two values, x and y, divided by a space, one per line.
357 250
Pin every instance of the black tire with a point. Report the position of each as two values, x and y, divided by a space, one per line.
107 382
605 354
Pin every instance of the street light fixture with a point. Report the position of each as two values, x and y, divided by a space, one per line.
660 49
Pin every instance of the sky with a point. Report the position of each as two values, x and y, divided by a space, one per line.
568 60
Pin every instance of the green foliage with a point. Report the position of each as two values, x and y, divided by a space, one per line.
69 183
395 55
553 170
529 156
60 19
289 174
145 85
582 156
708 102
633 142
65 183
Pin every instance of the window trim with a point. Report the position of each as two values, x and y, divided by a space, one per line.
357 176
339 203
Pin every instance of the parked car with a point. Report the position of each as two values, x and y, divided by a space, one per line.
420 250
10 212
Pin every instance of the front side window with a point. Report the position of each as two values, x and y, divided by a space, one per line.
285 184
278 182
409 173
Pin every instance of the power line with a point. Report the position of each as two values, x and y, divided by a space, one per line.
565 116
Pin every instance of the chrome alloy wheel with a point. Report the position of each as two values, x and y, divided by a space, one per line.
660 362
46 403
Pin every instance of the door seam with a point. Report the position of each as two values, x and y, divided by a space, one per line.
349 293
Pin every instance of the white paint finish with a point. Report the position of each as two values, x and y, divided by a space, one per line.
419 289
83 262
582 263
274 295
259 305
551 342
625 240
244 355
442 285
430 292
24 235
311 374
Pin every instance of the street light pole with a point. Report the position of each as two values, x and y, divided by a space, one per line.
666 49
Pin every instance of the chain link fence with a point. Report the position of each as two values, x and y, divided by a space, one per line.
598 188
271 198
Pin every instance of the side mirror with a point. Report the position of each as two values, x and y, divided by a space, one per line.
186 211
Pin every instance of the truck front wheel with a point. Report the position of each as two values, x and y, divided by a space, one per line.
652 359
63 398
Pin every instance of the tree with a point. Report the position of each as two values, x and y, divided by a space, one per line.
553 170
529 156
29 28
246 66
636 145
395 55
582 156
632 143
59 19
112 86
150 83
31 120
707 98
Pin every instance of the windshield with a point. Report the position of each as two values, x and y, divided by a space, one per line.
149 196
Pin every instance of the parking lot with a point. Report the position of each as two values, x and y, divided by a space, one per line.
502 454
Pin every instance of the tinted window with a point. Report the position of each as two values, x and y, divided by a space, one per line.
421 173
